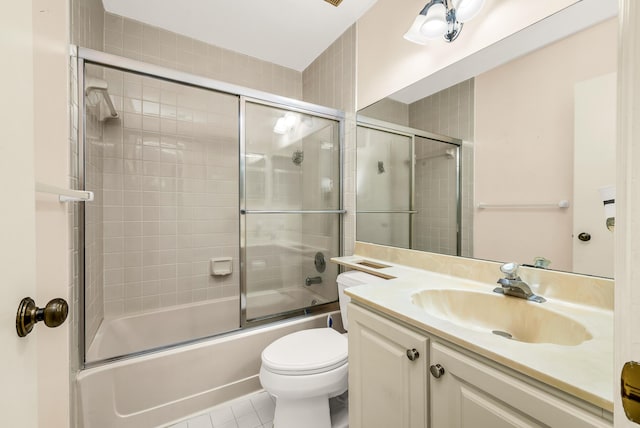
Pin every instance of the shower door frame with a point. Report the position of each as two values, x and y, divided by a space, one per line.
304 108
392 128
85 56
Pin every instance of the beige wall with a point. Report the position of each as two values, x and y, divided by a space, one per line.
524 145
389 63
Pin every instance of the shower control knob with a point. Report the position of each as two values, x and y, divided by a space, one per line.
413 354
436 370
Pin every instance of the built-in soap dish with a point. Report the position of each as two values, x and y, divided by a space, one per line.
372 265
221 266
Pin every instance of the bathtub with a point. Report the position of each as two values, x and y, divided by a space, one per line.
161 388
153 329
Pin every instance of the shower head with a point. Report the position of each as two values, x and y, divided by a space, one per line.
98 86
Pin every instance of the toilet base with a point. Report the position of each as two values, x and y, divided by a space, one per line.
314 412
310 412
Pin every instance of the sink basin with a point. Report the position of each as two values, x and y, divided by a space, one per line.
510 317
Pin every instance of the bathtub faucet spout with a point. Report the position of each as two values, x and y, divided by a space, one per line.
312 280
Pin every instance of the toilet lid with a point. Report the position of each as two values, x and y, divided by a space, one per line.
306 352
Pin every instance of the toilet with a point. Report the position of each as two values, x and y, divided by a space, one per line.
305 369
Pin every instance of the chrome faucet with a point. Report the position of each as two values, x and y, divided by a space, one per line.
513 285
312 280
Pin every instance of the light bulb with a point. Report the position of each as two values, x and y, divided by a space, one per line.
435 24
466 10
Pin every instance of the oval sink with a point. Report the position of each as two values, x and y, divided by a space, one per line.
510 317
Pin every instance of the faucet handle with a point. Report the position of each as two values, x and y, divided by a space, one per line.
510 270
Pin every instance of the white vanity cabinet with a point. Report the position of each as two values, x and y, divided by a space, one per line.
388 367
470 393
388 389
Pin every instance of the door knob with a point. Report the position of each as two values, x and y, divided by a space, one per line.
584 237
53 315
630 390
436 370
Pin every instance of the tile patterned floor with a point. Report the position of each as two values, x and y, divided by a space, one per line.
251 411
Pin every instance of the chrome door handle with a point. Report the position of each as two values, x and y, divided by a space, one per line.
53 315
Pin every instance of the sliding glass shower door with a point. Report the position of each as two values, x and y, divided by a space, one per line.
164 172
291 209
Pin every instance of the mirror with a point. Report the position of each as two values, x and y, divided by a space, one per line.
537 142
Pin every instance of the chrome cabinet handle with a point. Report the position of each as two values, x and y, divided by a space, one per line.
413 354
436 370
53 315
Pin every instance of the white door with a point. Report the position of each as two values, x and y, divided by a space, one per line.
594 167
18 395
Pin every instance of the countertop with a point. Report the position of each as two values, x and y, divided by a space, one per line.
584 370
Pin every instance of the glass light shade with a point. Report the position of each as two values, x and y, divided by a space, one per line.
414 35
467 9
435 24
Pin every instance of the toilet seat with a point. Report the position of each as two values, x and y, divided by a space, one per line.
306 352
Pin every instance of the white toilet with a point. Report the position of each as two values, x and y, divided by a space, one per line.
303 370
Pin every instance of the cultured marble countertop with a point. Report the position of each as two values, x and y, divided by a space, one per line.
584 370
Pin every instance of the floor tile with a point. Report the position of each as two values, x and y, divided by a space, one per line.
202 421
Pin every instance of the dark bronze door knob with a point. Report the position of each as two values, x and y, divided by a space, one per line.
53 315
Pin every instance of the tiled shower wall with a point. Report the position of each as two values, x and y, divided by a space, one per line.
170 180
435 197
450 112
94 225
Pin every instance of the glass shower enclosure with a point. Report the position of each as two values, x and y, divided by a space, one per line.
216 207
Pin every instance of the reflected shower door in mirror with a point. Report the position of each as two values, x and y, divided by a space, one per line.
537 130
291 209
407 188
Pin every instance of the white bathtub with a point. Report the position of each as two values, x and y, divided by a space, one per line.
133 333
163 387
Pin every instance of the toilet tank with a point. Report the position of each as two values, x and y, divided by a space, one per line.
350 279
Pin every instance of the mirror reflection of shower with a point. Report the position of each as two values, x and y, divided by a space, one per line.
408 188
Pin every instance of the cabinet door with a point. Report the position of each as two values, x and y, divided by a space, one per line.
387 389
472 394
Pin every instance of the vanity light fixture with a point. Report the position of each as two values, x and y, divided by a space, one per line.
442 18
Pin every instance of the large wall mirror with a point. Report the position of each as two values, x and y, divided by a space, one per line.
518 154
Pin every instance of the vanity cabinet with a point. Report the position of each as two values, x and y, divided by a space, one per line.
389 389
470 393
388 367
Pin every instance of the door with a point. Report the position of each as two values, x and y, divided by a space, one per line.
594 167
18 402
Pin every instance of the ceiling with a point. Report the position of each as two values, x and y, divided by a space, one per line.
290 33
